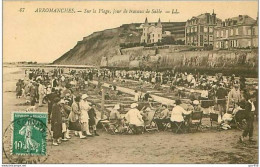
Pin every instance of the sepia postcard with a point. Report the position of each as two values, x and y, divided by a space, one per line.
133 82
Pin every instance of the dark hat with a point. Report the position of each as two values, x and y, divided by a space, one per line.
67 86
164 105
77 99
178 102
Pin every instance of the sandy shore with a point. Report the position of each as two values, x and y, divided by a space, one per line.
208 146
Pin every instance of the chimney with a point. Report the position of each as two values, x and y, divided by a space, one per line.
214 17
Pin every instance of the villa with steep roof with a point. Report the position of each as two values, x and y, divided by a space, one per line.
152 33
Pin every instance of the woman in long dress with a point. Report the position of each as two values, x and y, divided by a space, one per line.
74 118
19 88
84 117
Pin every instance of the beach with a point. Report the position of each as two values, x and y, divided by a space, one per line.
206 146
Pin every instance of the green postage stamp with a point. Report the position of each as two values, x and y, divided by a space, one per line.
29 133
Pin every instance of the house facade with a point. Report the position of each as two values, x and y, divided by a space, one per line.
199 31
236 32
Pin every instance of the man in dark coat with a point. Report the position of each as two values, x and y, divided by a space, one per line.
56 122
33 93
221 94
50 98
250 110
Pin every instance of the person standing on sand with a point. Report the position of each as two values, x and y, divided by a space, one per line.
56 121
235 95
92 119
50 99
41 93
84 117
221 94
74 118
33 94
19 89
250 111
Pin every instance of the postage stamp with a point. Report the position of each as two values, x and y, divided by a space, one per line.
29 133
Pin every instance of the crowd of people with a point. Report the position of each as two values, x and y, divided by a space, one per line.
70 110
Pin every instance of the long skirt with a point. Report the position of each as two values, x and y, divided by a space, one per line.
57 130
74 126
84 126
92 122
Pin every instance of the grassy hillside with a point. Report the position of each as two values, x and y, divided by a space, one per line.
90 50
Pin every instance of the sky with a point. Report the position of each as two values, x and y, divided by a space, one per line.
44 37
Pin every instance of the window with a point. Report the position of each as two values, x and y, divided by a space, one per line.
226 33
253 31
249 31
236 31
210 29
226 46
231 32
249 43
217 33
201 40
205 29
231 44
222 33
210 38
201 28
234 43
195 29
191 29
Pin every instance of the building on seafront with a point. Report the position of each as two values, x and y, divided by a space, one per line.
199 31
236 32
152 33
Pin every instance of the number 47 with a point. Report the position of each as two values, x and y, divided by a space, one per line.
21 9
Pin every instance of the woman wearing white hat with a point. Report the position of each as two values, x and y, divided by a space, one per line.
196 106
74 118
84 107
134 117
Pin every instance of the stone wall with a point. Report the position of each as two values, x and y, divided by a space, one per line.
176 56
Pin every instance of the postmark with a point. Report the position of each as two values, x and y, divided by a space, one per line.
25 139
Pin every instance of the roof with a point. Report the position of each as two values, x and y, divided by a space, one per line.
243 19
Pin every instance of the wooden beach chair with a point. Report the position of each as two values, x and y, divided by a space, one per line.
151 124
